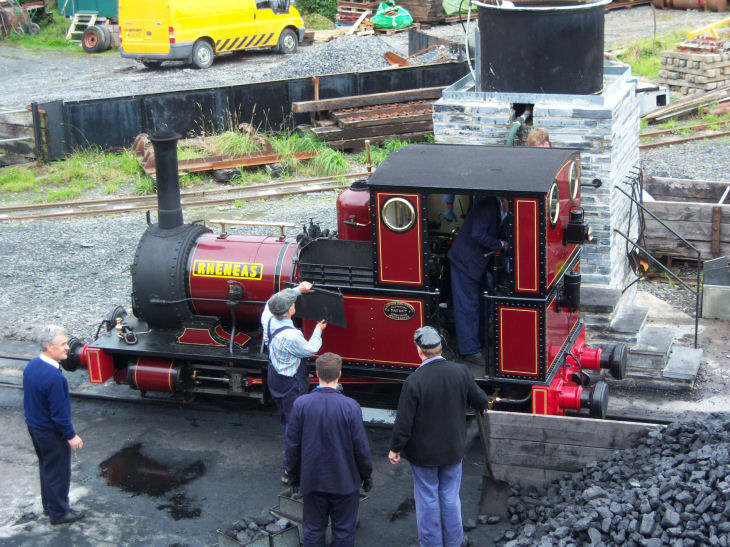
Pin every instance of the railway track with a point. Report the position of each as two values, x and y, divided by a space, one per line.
683 133
190 199
134 397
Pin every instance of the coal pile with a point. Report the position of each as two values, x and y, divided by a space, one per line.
672 489
251 529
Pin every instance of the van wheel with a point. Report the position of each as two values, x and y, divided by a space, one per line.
202 54
93 40
287 41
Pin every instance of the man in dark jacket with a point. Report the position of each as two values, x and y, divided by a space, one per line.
481 234
328 455
430 431
47 407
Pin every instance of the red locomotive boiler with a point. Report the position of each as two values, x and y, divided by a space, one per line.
198 295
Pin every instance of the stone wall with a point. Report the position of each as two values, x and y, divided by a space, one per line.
604 126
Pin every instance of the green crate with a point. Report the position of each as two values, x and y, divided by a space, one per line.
103 8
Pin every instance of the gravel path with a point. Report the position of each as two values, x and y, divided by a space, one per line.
29 76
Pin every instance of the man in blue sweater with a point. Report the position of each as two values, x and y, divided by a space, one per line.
48 415
328 455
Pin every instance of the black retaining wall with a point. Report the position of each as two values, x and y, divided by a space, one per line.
115 122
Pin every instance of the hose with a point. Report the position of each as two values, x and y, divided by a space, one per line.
517 125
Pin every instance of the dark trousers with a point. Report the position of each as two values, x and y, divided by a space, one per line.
319 507
54 463
285 390
468 311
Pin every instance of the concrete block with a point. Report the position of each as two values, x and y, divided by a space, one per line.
683 364
630 319
716 302
654 341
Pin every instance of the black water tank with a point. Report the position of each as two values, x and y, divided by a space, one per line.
541 47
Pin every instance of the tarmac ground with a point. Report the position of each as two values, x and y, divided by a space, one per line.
167 475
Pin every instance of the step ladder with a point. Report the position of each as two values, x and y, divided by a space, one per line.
79 23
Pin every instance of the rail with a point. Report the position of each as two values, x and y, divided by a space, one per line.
695 291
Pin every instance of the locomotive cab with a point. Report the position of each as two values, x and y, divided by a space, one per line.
532 335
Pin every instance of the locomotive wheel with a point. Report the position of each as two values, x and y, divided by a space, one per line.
93 40
202 54
287 42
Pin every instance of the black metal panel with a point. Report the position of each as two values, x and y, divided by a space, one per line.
322 304
116 121
103 123
560 47
180 112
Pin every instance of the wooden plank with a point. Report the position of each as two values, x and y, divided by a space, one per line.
716 218
359 144
366 100
11 130
545 455
532 449
675 248
349 125
683 211
362 132
564 429
669 189
691 231
397 109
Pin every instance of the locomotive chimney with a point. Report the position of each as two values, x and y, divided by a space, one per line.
169 210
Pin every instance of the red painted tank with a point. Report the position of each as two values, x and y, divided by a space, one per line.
258 265
353 212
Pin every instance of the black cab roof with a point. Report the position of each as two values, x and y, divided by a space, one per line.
466 168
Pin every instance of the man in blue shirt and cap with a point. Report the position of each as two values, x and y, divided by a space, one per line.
430 431
286 376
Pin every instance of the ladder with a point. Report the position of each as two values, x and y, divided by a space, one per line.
79 23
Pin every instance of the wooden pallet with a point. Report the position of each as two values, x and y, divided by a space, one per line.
391 31
347 122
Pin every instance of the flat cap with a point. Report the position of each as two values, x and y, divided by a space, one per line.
427 337
280 303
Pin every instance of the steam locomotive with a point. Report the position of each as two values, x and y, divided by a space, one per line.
198 294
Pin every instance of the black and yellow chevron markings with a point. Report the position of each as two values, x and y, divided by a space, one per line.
243 42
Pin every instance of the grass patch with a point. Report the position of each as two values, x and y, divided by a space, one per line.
328 162
51 38
315 21
231 143
643 56
111 173
378 153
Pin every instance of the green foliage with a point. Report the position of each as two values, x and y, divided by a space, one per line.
643 56
52 37
17 179
327 162
315 21
233 142
326 8
379 153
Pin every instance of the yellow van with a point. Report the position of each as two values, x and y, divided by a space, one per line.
153 31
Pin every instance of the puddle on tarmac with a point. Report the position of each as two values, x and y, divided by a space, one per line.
407 506
134 472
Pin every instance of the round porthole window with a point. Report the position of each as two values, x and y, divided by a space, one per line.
553 204
399 215
573 180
